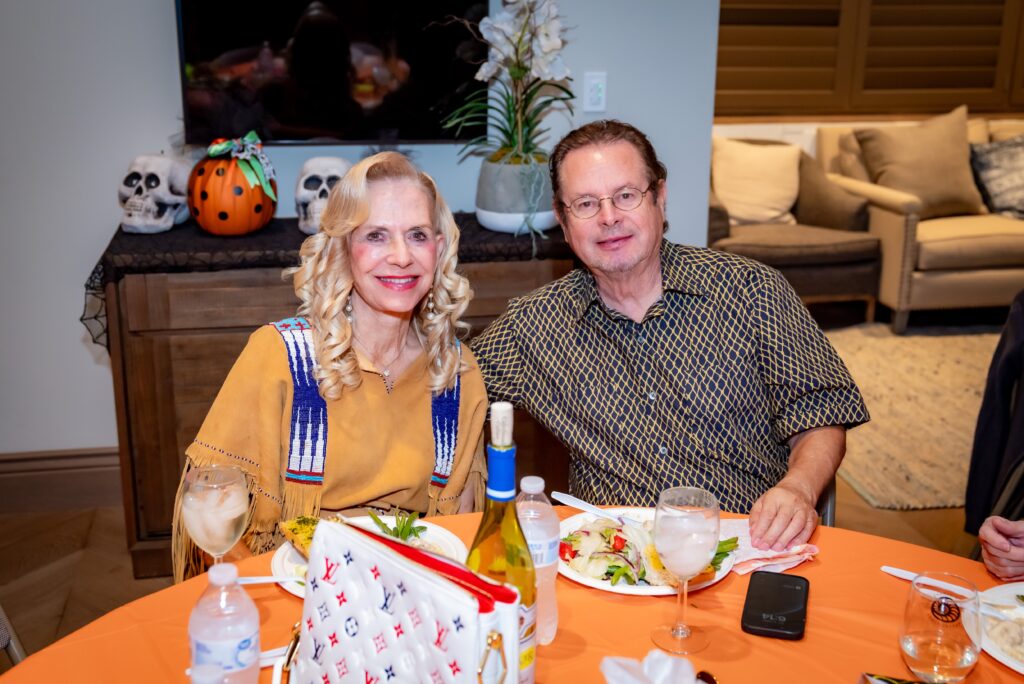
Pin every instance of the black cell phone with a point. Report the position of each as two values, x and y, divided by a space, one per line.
776 605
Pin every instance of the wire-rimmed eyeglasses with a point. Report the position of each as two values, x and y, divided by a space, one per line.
626 199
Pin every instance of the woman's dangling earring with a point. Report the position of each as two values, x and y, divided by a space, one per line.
348 309
430 306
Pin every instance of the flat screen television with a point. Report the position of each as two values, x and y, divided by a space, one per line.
327 71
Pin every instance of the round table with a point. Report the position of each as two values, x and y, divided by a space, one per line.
854 614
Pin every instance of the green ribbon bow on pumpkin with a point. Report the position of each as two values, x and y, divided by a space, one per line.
252 160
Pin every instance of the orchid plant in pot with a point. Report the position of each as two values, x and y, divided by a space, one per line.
527 78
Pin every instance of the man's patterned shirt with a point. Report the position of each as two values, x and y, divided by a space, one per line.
704 391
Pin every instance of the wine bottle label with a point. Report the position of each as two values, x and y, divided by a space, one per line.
527 643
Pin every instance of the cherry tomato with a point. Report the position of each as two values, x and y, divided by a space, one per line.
565 551
617 543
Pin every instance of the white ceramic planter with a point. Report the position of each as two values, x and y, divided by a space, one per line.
512 198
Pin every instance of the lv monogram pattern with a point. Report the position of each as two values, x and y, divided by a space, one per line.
367 619
704 391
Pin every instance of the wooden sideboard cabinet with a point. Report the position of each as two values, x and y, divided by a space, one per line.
173 338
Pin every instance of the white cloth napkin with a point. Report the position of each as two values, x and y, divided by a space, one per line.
657 667
748 559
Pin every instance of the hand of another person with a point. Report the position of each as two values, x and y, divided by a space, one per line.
1002 547
781 518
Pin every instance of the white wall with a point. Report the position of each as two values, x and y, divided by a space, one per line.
89 85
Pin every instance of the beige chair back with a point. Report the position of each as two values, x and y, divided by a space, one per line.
1004 129
827 146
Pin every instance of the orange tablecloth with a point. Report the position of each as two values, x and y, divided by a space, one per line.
853 617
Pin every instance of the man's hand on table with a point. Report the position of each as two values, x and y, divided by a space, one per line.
785 515
781 518
1002 547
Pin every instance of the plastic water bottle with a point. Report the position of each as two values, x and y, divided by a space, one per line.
540 526
224 628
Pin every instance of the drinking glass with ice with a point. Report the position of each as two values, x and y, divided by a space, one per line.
214 507
686 538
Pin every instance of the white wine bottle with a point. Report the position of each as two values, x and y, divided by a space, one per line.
499 549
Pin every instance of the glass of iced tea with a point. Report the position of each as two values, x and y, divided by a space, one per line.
941 634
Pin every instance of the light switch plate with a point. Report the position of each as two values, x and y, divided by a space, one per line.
595 91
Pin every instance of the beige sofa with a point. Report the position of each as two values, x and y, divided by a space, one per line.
946 262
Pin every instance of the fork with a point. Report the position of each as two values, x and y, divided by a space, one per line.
268 579
570 500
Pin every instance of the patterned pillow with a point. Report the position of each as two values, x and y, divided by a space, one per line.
999 169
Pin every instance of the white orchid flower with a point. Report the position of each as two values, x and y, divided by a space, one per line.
549 67
499 30
549 37
524 40
487 71
548 10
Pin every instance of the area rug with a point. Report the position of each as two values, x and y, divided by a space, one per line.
923 390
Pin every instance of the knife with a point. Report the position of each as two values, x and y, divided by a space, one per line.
570 500
986 608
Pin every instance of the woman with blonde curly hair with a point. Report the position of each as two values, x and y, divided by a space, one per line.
367 399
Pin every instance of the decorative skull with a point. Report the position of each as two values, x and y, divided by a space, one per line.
152 194
316 178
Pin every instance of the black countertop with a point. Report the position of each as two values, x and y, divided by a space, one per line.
187 248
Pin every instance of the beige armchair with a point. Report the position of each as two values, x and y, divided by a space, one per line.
827 255
947 262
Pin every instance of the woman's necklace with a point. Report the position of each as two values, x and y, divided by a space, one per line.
384 368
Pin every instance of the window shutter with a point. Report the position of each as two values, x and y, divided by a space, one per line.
784 55
1017 84
934 54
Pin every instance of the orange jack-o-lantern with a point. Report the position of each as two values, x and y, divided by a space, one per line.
222 197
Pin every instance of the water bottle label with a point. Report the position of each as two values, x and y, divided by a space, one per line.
231 654
544 552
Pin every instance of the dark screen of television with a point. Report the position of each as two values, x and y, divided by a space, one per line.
327 71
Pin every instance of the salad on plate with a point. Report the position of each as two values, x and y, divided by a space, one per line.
603 549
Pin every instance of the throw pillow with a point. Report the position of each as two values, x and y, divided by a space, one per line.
755 183
931 160
999 168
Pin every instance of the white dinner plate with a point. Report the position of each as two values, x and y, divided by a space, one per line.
288 561
1001 595
443 541
570 525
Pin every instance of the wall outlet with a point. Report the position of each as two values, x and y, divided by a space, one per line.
595 91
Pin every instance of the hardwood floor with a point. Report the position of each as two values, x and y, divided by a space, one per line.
936 528
62 570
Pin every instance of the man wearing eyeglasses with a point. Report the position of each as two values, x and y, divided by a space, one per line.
660 365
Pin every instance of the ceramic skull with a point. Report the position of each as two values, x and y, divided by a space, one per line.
316 178
152 194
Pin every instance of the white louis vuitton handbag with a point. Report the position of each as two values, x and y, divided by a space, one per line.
378 611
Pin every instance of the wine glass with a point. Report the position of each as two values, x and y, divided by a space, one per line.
686 538
941 634
214 507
